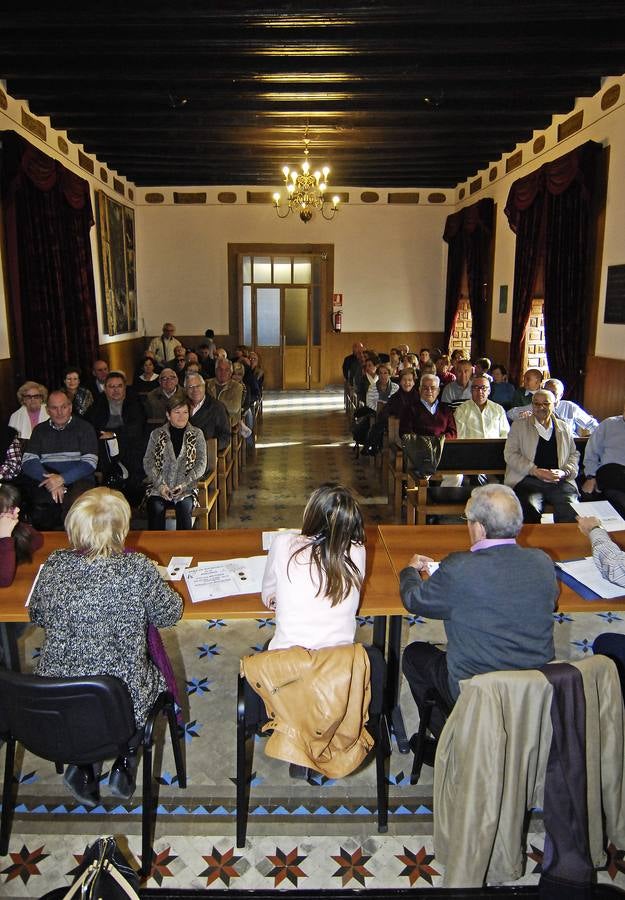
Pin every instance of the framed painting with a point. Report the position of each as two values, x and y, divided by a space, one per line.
118 273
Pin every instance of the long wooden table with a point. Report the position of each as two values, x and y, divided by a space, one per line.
561 542
379 596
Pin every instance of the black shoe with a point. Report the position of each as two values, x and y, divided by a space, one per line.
122 780
82 783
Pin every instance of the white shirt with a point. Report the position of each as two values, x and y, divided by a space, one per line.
303 618
491 422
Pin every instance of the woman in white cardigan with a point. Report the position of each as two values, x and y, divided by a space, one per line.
32 398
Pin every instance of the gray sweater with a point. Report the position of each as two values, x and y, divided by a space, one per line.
497 606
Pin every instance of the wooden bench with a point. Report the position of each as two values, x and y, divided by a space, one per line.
463 456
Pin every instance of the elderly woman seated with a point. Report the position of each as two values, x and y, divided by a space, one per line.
32 398
174 461
95 602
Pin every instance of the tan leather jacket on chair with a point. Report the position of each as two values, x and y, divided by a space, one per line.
317 702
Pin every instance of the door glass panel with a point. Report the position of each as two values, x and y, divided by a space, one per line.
267 316
296 316
301 271
247 269
316 315
262 270
282 270
247 314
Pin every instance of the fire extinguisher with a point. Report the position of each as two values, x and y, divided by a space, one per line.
337 321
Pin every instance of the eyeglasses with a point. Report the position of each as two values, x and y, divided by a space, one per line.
479 387
33 397
542 405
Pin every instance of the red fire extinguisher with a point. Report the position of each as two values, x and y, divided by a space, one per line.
337 321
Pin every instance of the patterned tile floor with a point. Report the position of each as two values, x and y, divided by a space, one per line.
320 836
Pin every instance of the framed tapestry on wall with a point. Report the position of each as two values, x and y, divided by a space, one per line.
118 274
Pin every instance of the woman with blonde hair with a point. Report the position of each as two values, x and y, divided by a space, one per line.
95 602
313 580
32 398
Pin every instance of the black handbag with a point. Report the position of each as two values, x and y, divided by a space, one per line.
422 454
103 874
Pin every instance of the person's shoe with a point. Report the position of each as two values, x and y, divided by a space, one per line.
83 785
122 780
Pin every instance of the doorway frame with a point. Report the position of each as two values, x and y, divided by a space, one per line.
235 310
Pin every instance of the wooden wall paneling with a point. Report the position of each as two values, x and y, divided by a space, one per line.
604 393
338 346
498 351
123 356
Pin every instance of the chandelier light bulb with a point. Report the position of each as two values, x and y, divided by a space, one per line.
276 198
322 186
335 201
285 171
326 172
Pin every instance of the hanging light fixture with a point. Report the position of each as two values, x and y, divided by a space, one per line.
306 190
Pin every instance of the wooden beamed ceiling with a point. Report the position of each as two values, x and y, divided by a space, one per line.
412 94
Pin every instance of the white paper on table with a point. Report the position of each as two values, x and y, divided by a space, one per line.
604 511
177 566
30 593
269 536
586 572
226 578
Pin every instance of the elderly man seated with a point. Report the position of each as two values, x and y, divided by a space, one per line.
581 422
542 462
207 414
604 461
456 392
496 601
479 417
522 397
156 401
223 387
59 463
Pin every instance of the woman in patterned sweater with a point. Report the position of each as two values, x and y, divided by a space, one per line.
174 460
95 602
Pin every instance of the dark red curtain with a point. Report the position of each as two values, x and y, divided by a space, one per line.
47 220
468 234
550 211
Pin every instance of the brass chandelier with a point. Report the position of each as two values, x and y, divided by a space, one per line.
305 190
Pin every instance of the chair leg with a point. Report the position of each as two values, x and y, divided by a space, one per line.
146 816
382 750
418 745
244 763
7 801
181 771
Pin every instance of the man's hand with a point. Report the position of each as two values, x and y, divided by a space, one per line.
587 523
55 485
526 413
165 492
8 521
589 486
549 475
420 563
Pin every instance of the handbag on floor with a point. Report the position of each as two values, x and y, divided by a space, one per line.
103 874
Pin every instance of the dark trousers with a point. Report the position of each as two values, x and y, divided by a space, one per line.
611 482
534 493
45 513
425 667
156 513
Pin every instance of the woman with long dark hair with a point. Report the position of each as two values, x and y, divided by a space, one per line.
313 579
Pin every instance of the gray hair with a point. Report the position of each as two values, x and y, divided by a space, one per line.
559 386
497 508
431 377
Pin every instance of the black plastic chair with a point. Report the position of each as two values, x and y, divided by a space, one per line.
79 721
251 716
418 740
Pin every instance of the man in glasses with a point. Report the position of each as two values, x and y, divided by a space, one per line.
156 400
479 417
542 462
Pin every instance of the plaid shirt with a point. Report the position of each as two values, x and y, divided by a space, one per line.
12 464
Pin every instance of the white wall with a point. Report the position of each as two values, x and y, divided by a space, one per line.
389 260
